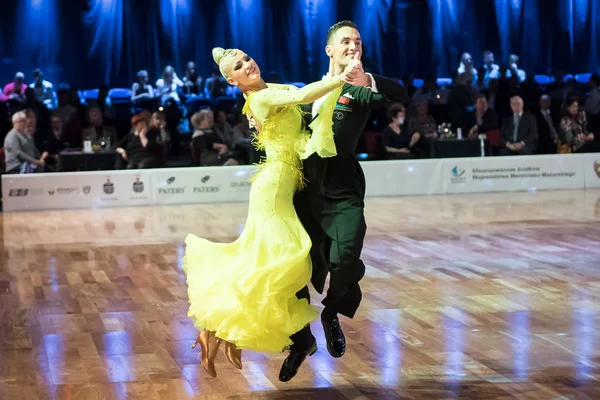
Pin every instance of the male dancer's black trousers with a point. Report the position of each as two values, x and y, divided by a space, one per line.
337 230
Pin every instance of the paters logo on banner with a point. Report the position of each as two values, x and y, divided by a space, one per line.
86 189
458 175
206 188
597 169
171 189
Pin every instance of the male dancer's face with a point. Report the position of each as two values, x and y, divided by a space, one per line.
344 43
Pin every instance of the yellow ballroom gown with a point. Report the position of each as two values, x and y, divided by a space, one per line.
245 291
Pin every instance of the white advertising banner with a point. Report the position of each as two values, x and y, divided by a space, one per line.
76 190
591 167
403 177
232 184
499 174
202 184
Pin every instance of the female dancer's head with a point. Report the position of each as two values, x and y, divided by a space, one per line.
238 68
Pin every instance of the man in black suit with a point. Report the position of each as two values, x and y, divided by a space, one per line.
546 124
331 207
519 131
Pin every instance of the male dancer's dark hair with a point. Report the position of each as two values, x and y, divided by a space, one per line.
332 31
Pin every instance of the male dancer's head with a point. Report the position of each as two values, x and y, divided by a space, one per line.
343 42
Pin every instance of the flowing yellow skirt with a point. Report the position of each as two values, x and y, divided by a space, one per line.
245 290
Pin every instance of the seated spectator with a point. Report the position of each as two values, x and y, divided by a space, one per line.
519 131
466 67
167 87
22 156
482 119
207 148
547 135
15 91
70 119
54 142
398 143
101 135
44 91
139 148
573 128
31 128
421 121
513 69
159 121
192 82
216 85
141 90
490 70
223 129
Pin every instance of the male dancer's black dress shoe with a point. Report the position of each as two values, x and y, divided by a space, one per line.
294 360
336 342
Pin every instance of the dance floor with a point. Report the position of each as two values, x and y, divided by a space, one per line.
485 296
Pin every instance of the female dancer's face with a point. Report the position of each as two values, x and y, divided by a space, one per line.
243 70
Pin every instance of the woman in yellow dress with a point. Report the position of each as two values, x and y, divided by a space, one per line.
244 293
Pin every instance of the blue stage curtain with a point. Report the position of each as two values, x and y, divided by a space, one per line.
104 21
92 42
372 18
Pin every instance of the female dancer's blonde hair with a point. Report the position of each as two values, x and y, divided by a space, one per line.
219 55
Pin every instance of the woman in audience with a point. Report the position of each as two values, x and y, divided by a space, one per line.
167 87
192 82
397 141
139 149
573 133
159 121
208 149
466 67
141 90
421 121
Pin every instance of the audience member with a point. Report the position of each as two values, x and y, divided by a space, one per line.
167 87
513 69
547 136
142 90
216 85
207 148
54 142
519 132
44 91
15 90
101 135
573 128
139 149
482 119
192 81
491 70
398 142
466 67
460 100
21 155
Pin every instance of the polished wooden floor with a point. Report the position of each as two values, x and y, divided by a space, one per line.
487 296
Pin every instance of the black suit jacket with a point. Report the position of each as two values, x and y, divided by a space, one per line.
489 121
527 133
546 142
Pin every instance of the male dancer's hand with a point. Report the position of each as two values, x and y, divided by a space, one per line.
356 74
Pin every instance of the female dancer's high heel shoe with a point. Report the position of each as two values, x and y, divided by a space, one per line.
209 344
233 354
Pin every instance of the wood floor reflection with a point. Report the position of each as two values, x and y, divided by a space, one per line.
487 296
